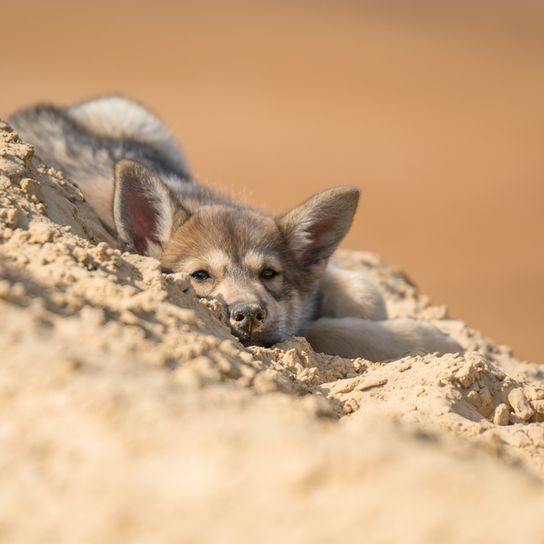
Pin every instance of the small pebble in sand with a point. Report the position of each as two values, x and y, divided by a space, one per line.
520 404
501 415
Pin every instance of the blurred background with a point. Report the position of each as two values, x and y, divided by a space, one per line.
434 109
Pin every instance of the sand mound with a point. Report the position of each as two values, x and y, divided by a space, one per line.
130 414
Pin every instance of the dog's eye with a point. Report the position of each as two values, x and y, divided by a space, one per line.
268 274
200 275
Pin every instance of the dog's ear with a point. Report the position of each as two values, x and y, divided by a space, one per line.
315 228
144 210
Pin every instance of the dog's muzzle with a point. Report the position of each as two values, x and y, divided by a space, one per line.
246 320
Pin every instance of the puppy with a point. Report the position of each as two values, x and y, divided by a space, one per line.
272 274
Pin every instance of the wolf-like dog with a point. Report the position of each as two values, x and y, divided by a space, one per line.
271 274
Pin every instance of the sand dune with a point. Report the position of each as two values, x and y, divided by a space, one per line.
130 414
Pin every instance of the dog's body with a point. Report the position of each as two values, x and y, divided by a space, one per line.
271 273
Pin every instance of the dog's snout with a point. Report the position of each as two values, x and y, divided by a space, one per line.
247 317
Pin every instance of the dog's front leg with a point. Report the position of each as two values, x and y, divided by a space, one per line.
349 293
377 340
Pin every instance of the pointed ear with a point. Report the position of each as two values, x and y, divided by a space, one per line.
144 210
315 228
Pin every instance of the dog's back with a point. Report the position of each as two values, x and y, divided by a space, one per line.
85 141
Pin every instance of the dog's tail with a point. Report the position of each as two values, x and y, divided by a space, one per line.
378 340
121 119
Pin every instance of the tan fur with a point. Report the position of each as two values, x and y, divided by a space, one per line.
255 260
217 259
234 246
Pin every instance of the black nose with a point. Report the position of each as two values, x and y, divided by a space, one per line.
247 317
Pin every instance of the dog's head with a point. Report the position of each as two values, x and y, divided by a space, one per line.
261 268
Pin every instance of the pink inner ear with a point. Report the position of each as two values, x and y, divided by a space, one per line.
143 220
318 241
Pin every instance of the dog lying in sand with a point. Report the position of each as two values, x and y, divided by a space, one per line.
271 274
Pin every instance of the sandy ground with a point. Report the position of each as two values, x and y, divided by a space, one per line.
130 414
434 109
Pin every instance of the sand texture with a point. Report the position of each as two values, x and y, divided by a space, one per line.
130 414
